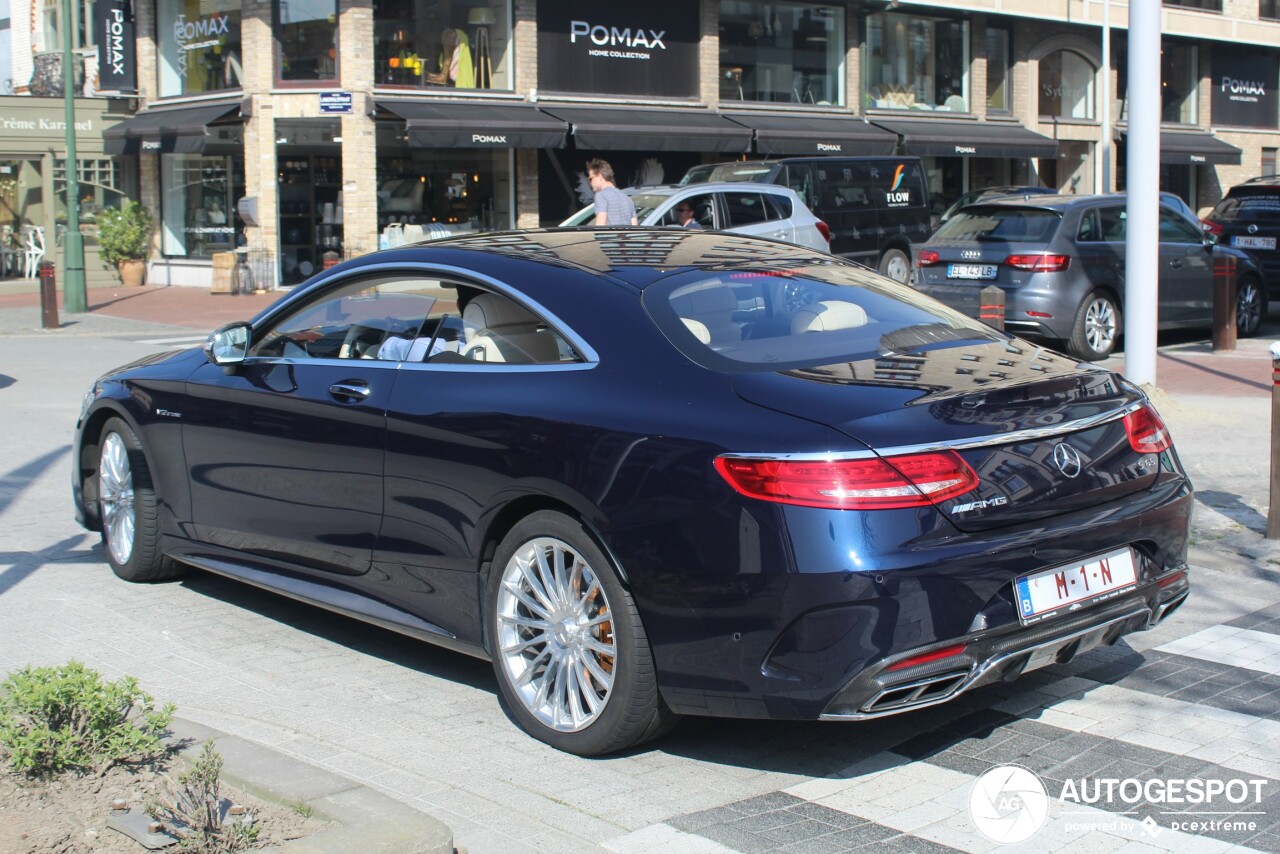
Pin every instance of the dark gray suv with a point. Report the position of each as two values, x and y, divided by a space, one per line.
1061 263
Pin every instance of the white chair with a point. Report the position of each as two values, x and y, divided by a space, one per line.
12 254
33 249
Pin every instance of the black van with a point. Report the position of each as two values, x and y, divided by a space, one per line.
876 207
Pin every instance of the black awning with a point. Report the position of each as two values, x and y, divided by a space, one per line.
967 138
1196 147
613 128
798 133
177 130
457 124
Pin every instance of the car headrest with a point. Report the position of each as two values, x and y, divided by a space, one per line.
490 311
698 328
827 316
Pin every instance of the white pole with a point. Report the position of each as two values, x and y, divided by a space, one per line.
1142 248
1104 146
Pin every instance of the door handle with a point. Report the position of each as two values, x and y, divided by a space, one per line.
1175 262
350 390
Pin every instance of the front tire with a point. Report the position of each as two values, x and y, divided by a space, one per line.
572 659
896 265
128 508
1096 328
1250 307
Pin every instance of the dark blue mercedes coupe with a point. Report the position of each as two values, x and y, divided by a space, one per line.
651 473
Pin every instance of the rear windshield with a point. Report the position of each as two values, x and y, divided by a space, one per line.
1249 204
797 314
1000 224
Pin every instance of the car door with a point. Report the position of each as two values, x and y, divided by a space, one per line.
1186 271
455 447
285 453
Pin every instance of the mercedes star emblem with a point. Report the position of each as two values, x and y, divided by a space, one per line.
1067 459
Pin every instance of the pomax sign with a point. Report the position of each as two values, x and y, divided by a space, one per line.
117 60
597 48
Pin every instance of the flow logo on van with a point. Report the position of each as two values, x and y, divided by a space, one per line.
896 197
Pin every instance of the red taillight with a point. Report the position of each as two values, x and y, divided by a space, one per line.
927 257
876 483
1212 227
824 229
1039 262
926 657
1172 578
1147 433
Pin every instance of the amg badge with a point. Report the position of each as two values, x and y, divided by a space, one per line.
998 501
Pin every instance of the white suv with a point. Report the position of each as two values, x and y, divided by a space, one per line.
758 209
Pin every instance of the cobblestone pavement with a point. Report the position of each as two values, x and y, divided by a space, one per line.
1198 697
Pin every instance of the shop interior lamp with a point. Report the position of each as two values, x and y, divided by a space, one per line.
481 17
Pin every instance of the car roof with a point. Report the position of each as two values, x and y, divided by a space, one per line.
635 255
708 187
1057 201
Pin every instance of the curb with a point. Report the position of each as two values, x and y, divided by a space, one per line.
370 822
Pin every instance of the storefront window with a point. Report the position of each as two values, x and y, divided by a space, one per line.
439 191
917 63
307 36
1066 86
199 49
198 204
998 100
20 194
442 44
101 187
1179 74
787 52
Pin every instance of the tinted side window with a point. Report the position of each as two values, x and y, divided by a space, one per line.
1175 229
1089 231
1114 222
746 209
779 206
846 187
799 177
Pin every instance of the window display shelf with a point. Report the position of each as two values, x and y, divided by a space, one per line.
310 213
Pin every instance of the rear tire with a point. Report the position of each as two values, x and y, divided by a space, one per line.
1096 328
128 508
1250 307
896 265
571 656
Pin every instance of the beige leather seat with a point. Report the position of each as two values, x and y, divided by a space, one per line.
711 305
499 330
827 316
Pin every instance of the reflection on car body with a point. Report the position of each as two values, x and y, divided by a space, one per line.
651 473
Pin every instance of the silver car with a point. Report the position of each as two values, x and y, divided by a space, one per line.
757 209
1060 261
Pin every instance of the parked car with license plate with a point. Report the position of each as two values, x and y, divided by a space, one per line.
775 212
1061 263
650 474
1248 218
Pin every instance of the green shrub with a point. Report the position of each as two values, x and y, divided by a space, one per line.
195 815
125 234
53 719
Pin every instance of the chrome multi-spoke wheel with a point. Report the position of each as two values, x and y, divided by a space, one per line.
1249 308
569 648
555 634
115 494
1097 327
128 507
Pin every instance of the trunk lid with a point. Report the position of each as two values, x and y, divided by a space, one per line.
1044 434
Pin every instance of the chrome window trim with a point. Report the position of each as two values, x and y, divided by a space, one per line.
1031 434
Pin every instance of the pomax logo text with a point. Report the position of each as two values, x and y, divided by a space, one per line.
613 36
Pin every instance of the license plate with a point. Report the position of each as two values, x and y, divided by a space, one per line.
1243 242
971 271
1074 586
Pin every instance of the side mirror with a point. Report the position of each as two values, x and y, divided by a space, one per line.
1210 240
229 345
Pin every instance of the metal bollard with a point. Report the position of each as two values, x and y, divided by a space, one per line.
48 295
991 306
1224 304
330 259
1273 511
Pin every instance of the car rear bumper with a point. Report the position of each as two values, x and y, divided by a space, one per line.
1003 656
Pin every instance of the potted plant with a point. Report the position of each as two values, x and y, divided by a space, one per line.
124 236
